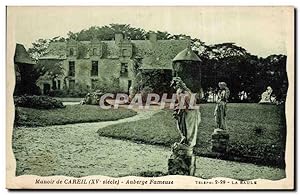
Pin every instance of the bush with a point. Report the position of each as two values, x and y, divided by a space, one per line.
80 90
39 102
107 85
144 93
158 80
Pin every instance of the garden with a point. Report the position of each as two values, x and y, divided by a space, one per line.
86 140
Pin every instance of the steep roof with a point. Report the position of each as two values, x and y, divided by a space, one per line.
186 55
22 56
155 55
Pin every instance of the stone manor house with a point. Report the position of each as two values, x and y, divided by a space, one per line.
88 62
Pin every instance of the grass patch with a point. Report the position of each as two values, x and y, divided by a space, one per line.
70 114
68 99
257 132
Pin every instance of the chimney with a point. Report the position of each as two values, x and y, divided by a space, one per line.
118 38
189 42
152 37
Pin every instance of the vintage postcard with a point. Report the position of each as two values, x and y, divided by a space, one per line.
150 97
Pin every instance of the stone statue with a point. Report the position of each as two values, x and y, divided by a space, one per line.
221 107
182 160
220 136
266 96
187 119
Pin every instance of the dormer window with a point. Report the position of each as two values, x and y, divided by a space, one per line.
124 52
71 52
124 70
95 51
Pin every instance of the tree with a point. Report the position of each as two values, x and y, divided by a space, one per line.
39 48
58 39
72 35
272 72
108 32
179 37
223 62
163 35
47 68
241 70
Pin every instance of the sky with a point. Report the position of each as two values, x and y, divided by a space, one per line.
261 31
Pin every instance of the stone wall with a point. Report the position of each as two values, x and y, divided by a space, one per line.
107 69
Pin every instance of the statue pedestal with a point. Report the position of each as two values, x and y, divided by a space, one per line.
182 160
219 141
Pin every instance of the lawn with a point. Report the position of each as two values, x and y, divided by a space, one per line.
257 132
70 114
68 99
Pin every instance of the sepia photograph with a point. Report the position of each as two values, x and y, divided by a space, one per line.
150 97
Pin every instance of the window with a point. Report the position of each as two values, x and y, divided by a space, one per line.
94 71
71 84
71 51
46 88
58 84
54 87
124 52
124 69
71 68
95 52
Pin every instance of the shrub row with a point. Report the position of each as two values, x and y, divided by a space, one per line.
39 102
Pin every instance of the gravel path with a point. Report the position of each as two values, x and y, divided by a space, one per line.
77 150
